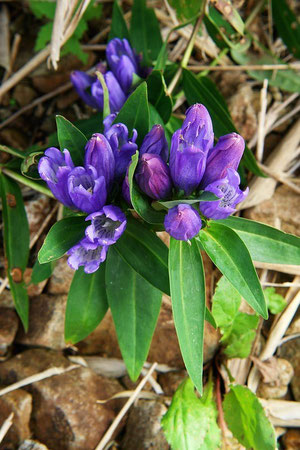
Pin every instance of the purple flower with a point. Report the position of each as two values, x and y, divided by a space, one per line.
189 148
183 222
107 225
123 61
54 168
122 146
99 154
226 154
108 121
126 189
82 83
227 189
87 189
87 254
117 97
155 143
153 176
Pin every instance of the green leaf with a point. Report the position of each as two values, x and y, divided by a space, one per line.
230 255
29 165
135 306
158 95
231 14
203 90
61 237
145 253
186 8
247 419
73 46
287 25
44 36
140 201
135 113
275 302
210 318
86 305
191 422
118 27
238 338
42 8
226 303
188 301
41 272
204 196
16 241
70 138
266 244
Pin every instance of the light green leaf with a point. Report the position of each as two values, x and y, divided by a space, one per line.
238 337
70 138
275 302
226 303
247 419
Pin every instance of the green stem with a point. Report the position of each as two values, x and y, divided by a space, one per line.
214 62
27 182
11 151
106 107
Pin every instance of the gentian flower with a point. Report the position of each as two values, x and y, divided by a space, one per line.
126 189
87 254
189 148
226 154
123 61
117 97
108 121
87 189
183 222
122 146
227 189
155 143
54 168
153 176
107 225
99 154
82 83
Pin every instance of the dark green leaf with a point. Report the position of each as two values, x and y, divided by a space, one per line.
70 138
140 201
42 8
61 237
210 318
187 285
135 306
41 272
191 422
266 244
204 196
186 8
203 90
146 254
16 240
230 255
86 305
44 36
118 27
247 419
135 112
158 95
287 25
29 165
275 302
231 14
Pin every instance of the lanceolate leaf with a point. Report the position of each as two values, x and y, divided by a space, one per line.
87 304
70 138
204 196
158 95
41 272
118 27
188 301
61 237
135 306
146 254
230 255
16 240
287 25
266 244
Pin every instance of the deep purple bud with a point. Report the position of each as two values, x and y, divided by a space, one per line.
87 190
117 97
82 83
227 189
126 189
153 176
87 254
54 168
122 61
226 154
183 222
155 143
99 154
107 225
123 147
197 128
108 121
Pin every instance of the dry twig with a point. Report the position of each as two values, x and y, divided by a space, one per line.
6 426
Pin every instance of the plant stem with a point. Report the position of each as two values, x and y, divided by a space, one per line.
27 182
11 151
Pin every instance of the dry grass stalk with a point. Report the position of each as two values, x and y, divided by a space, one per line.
6 426
284 268
261 121
281 412
240 68
4 37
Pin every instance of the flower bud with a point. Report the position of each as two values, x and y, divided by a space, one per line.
226 154
99 154
197 128
87 190
153 176
107 225
54 168
117 97
82 83
229 193
122 61
183 222
87 254
155 143
126 190
122 146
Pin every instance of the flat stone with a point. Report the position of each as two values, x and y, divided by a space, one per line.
61 278
37 210
66 415
9 323
19 403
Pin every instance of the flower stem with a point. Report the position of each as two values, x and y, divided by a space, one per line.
27 182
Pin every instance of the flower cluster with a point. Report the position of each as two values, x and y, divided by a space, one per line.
194 165
124 65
